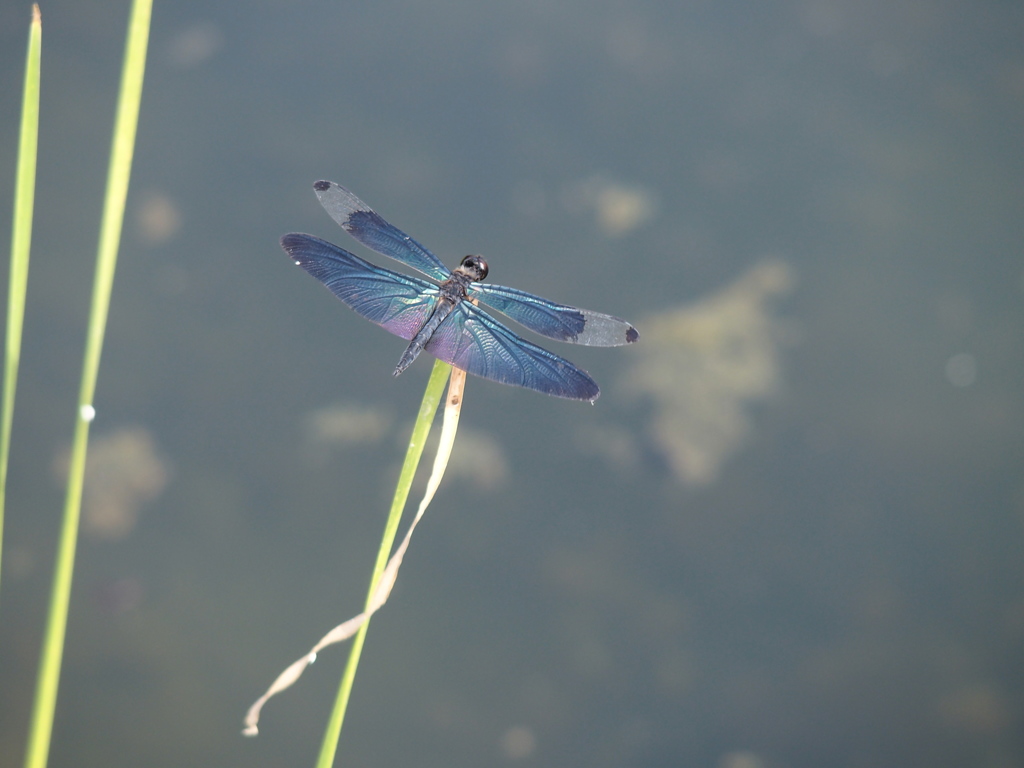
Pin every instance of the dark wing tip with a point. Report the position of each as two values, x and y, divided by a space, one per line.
321 186
292 242
632 335
588 392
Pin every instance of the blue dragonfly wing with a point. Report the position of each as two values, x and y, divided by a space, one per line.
554 320
474 341
397 303
369 228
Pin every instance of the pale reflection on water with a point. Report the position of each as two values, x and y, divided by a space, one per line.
344 424
124 471
618 208
704 364
478 458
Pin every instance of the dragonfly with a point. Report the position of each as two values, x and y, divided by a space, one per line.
444 318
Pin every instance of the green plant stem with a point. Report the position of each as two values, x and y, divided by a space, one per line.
428 409
119 172
21 243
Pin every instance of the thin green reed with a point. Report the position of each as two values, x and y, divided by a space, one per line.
425 417
21 244
118 174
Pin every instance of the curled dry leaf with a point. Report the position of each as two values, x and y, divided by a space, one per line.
382 590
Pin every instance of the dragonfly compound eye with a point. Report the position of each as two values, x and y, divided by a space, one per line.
475 266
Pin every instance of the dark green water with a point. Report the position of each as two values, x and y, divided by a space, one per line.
790 532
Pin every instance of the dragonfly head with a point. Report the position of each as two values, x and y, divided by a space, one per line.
473 267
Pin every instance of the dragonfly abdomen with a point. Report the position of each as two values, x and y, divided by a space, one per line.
439 315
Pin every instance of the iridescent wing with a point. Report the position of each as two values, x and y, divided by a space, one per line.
556 321
548 318
397 303
468 338
367 226
474 341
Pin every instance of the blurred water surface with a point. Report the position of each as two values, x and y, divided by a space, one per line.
788 534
